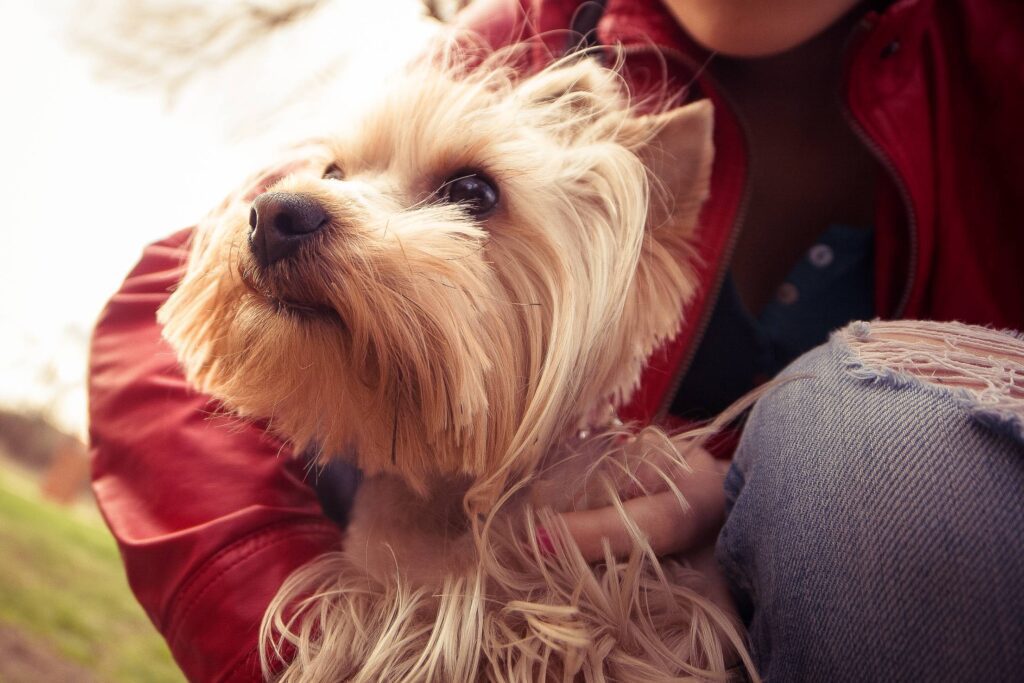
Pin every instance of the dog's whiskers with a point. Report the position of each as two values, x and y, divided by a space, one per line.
478 295
394 433
470 254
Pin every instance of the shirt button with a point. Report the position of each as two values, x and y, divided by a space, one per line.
820 255
890 49
787 294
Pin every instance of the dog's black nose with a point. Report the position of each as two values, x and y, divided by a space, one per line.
280 222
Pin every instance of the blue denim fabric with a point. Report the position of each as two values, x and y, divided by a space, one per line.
876 530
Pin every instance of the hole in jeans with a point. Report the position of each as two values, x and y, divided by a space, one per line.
987 364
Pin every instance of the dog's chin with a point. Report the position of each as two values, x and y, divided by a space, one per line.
302 311
307 312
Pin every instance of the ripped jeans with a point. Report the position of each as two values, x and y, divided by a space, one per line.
876 509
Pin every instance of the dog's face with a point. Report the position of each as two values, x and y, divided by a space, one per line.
448 288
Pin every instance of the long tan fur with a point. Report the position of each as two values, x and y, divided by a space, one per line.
455 359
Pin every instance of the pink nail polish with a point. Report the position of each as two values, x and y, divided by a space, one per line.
547 546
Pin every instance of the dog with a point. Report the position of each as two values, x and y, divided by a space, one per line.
456 294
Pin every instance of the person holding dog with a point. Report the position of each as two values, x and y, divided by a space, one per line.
868 164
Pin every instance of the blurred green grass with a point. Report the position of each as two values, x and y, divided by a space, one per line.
63 586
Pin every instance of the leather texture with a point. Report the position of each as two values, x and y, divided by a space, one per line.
211 515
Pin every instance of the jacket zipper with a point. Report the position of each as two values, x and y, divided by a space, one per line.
901 187
734 231
713 292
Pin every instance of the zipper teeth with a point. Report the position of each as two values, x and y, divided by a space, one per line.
736 228
890 169
908 206
713 292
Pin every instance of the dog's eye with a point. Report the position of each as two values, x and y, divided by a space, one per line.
473 189
334 172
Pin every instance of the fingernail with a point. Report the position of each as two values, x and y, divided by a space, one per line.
547 546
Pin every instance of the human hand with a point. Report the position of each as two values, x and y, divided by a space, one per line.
669 527
656 511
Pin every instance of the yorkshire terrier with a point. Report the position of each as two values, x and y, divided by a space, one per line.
456 294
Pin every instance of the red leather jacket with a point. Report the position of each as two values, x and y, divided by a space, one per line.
211 516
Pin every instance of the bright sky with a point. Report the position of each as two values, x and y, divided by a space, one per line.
92 173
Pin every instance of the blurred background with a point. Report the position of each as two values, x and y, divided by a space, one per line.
123 121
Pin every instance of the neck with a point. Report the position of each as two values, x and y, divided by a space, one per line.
802 79
392 529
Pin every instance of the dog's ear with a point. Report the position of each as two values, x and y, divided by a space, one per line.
581 88
676 146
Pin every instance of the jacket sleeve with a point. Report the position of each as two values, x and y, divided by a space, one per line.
211 514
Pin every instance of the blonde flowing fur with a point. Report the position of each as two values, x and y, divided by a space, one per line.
455 357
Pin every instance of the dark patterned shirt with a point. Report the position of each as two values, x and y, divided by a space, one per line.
832 284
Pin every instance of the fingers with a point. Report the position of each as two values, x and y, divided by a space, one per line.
668 526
